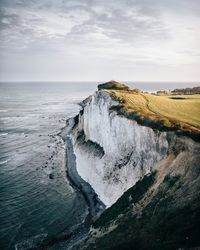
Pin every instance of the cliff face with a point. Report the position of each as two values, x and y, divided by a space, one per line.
113 152
149 180
161 211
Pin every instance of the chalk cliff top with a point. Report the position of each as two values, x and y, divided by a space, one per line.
169 112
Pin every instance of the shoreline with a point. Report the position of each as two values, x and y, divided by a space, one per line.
95 206
91 198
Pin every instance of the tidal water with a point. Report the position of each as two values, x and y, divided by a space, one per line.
36 199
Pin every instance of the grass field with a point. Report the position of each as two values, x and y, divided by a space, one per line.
185 108
179 112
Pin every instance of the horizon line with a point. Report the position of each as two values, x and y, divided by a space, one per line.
93 81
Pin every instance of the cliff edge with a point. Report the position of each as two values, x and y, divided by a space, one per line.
145 171
113 152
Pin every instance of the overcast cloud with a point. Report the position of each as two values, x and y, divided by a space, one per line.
100 40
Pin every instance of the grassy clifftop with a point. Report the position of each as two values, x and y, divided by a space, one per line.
178 112
113 85
162 210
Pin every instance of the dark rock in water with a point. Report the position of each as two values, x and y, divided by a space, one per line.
51 176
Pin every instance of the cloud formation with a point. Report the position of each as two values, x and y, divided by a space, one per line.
99 39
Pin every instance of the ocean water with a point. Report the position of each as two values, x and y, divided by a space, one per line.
36 199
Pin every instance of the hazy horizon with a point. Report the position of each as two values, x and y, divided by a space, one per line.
152 86
82 40
95 81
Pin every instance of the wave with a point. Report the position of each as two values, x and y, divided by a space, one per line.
3 134
33 242
3 162
3 110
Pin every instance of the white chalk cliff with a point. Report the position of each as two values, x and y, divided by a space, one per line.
113 152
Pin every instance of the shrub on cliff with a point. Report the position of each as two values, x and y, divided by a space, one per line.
113 85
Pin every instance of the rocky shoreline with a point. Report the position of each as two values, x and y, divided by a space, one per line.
95 205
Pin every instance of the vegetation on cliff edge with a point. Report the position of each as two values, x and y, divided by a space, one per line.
113 85
181 114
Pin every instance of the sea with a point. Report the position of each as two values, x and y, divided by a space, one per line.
37 202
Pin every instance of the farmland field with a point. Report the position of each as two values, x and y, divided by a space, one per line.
183 110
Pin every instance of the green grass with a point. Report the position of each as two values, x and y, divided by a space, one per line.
185 109
180 113
163 222
134 194
113 85
171 179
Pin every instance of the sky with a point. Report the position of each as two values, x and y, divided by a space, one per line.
87 40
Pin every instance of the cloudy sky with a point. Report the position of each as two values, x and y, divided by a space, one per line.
146 40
